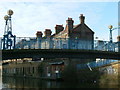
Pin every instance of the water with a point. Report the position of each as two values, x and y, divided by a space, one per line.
30 83
12 83
0 82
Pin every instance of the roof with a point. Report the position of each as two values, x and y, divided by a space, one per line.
76 26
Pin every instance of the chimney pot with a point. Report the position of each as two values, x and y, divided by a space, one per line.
47 32
82 19
59 28
39 34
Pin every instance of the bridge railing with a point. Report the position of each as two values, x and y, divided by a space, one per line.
62 43
52 43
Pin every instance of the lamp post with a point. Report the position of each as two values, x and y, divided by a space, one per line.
10 12
6 17
8 39
110 27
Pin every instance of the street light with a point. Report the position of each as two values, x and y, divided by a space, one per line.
10 12
8 39
6 17
110 27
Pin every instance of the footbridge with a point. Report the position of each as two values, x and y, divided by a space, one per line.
32 47
58 53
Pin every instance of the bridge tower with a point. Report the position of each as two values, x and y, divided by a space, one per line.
8 41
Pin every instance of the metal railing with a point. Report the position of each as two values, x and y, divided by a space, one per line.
63 43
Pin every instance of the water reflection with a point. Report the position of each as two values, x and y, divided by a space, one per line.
104 77
11 82
0 82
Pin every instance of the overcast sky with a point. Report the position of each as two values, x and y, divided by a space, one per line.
32 16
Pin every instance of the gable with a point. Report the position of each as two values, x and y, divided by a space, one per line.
62 34
82 28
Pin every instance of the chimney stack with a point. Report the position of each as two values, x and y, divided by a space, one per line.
39 34
70 23
47 32
82 19
59 28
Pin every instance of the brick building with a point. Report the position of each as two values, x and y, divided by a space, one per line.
80 31
70 37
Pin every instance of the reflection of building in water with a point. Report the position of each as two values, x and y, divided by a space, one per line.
112 68
53 68
0 76
0 69
110 77
32 68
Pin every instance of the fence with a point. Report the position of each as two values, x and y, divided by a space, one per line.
62 43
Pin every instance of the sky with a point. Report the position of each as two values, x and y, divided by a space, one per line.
32 16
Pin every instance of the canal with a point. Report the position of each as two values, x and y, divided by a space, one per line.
12 83
84 78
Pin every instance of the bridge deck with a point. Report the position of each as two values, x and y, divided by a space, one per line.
58 53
